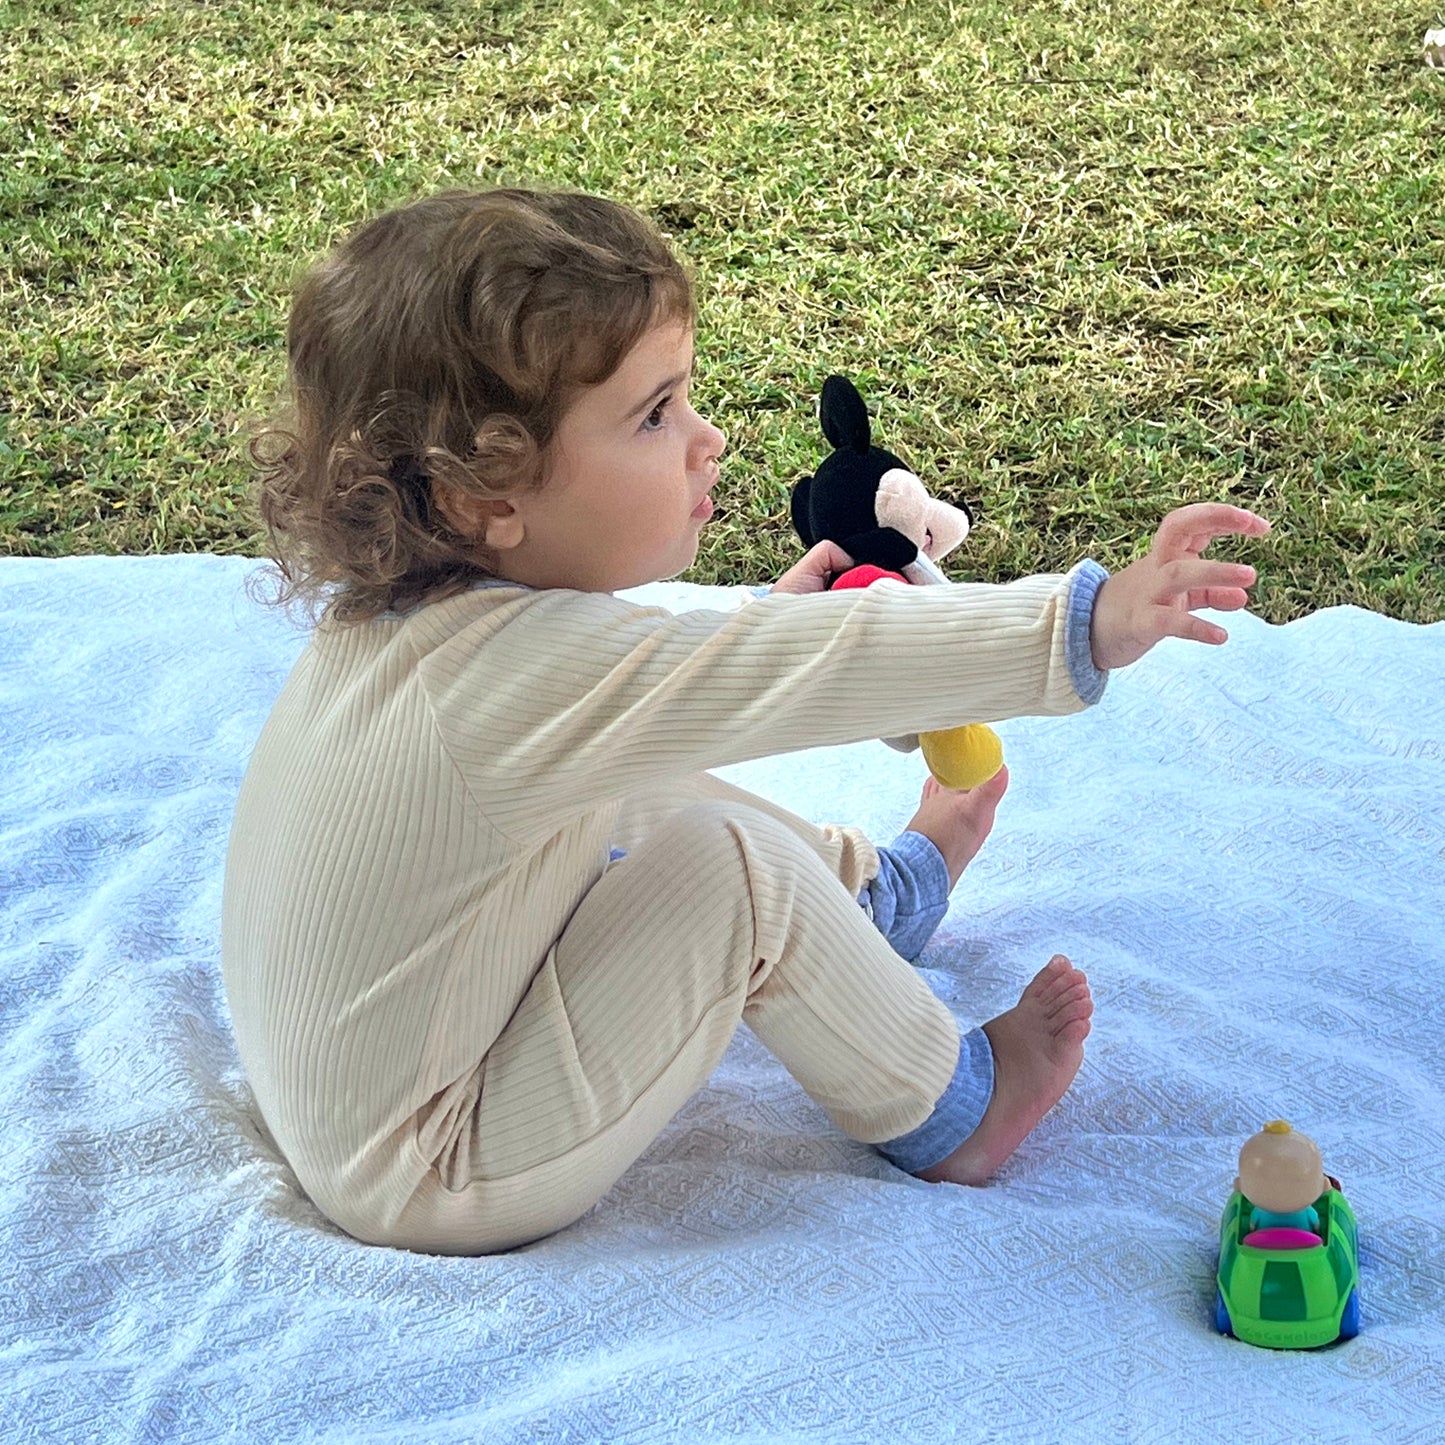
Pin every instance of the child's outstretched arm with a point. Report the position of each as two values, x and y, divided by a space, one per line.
550 701
1156 597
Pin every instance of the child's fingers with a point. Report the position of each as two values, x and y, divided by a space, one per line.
827 556
1193 528
1196 575
1219 599
1193 629
821 562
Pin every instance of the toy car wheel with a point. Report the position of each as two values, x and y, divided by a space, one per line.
1350 1320
1222 1322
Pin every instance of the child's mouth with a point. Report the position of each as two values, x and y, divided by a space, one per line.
703 508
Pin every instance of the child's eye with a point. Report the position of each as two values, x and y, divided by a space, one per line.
654 418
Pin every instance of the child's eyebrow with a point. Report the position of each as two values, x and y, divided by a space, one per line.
656 393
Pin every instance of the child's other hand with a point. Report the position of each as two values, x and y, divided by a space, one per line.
1155 597
819 566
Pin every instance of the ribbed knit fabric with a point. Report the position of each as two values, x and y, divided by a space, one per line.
432 802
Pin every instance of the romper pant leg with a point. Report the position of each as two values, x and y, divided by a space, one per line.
905 886
846 852
723 913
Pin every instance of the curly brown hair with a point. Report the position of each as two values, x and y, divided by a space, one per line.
432 355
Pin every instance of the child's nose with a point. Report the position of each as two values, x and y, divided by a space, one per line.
715 439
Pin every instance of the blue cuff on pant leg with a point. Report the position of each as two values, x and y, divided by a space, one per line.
909 897
957 1114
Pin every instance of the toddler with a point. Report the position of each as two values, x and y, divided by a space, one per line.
488 919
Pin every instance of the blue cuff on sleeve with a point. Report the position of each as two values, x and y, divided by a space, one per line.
955 1116
1088 680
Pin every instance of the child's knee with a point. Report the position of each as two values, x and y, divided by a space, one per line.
754 867
719 841
721 835
729 869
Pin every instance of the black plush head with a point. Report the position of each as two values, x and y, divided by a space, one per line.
841 501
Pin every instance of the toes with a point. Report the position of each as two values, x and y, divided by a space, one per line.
1076 999
996 786
1059 972
1070 996
1059 995
988 795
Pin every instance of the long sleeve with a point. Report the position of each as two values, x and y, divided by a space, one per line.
600 696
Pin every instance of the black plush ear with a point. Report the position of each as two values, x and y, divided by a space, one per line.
802 522
844 417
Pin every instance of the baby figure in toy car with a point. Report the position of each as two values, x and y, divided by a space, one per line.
1281 1175
1289 1261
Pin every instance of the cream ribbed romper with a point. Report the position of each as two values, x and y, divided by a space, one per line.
460 1021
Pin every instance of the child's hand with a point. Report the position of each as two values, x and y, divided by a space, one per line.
1153 598
819 566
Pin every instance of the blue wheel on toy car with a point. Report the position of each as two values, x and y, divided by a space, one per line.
1222 1321
1350 1320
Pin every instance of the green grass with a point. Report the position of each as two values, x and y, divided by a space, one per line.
1085 260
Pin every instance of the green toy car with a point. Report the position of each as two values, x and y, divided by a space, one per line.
1289 1289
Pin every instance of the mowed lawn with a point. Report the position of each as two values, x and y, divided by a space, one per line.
1085 260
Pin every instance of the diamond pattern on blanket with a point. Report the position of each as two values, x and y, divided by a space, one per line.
1245 847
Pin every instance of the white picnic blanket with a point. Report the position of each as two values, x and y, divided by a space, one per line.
1244 847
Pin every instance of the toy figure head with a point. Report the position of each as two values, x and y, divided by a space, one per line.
1279 1170
865 499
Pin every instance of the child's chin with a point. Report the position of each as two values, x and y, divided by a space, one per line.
678 568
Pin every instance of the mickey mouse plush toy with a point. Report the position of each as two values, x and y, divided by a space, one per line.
870 504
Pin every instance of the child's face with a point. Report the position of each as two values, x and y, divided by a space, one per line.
626 492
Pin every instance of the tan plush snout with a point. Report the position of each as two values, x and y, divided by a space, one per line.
904 504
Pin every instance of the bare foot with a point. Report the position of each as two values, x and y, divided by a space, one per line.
1038 1046
956 821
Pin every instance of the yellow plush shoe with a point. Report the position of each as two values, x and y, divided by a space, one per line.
962 757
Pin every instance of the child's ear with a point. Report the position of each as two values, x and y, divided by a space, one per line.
460 512
494 523
502 528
